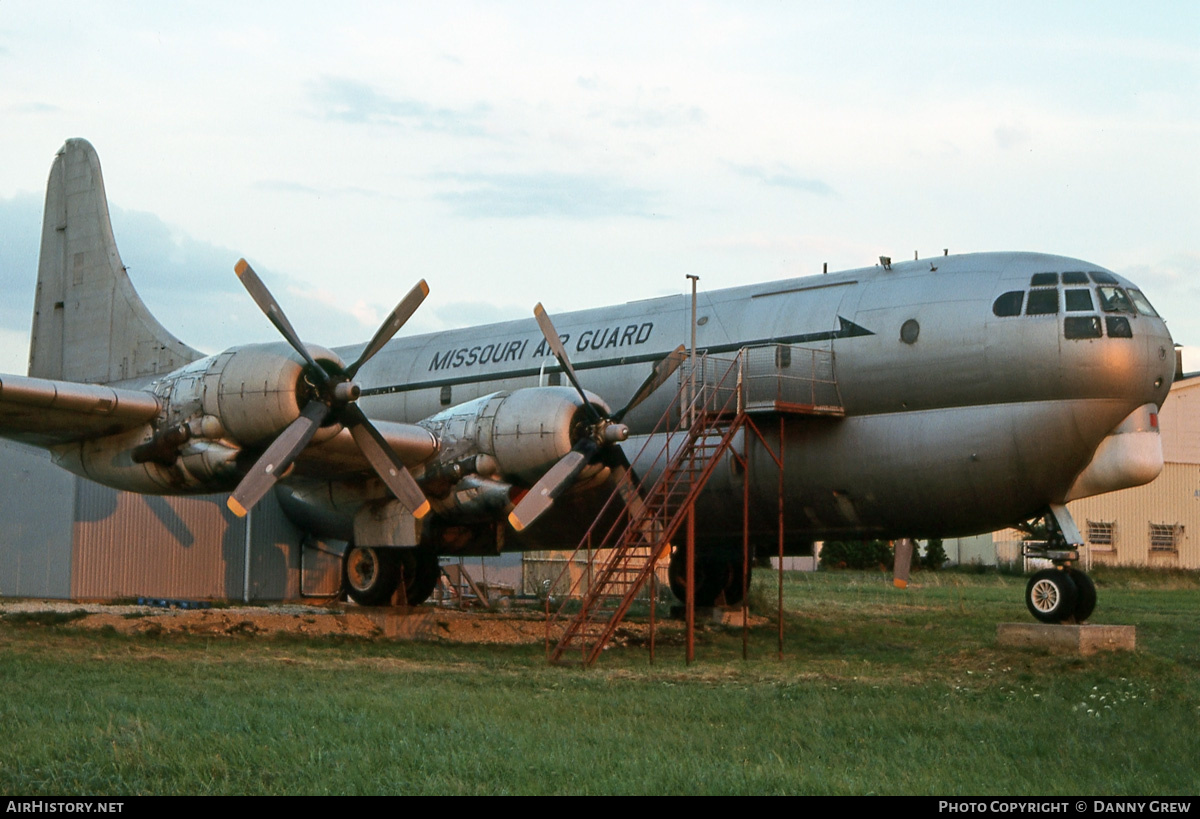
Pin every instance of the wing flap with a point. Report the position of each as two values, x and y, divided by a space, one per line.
44 412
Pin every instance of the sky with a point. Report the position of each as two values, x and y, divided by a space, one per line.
587 154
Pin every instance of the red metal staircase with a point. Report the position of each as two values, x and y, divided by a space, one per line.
644 521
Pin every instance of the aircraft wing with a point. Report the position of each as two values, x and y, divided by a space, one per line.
43 412
341 456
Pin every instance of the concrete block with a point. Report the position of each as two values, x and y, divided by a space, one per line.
1067 639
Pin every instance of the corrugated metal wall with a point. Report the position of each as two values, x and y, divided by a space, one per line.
65 537
128 545
35 531
1171 499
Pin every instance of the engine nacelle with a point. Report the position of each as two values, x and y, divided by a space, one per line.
249 394
517 435
211 409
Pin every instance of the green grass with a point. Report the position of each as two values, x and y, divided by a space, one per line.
879 691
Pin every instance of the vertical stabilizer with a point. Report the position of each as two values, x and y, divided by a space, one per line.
89 324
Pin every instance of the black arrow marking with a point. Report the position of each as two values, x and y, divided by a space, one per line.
846 329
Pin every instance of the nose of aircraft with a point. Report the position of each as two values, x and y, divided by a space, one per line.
1120 348
1159 363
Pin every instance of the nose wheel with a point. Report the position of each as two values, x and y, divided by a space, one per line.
1051 595
1063 594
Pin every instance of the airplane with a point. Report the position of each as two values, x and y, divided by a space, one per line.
973 392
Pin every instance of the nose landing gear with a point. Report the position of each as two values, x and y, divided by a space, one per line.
1063 594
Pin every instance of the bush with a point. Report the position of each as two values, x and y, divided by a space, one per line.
856 554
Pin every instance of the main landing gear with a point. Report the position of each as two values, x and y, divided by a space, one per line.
1063 594
718 578
372 574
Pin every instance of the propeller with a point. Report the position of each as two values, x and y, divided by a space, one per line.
336 394
599 438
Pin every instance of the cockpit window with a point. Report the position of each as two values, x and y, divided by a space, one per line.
1009 304
1100 277
1114 300
1043 280
1142 303
1075 277
1079 301
1081 327
1042 302
1118 327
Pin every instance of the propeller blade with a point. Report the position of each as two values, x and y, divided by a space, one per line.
627 486
278 457
560 352
556 481
662 371
266 302
391 325
383 460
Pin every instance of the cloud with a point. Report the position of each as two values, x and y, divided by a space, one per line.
188 284
287 187
471 313
21 220
660 117
550 194
783 177
282 186
1011 136
34 108
350 101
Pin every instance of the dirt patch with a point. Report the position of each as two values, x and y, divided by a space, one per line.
427 623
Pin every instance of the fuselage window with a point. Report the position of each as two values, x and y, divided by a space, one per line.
1142 303
1079 301
1081 327
1009 304
1118 327
1042 302
1075 277
1114 300
1043 280
1100 277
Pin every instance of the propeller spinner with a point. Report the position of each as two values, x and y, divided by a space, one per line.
335 395
600 437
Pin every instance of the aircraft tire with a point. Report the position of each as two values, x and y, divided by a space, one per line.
1085 602
419 572
1051 596
717 579
370 575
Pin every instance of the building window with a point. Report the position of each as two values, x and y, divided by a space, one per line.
1165 537
1102 534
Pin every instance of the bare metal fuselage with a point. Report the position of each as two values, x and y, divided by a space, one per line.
977 422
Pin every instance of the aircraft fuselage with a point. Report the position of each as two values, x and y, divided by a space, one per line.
963 412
